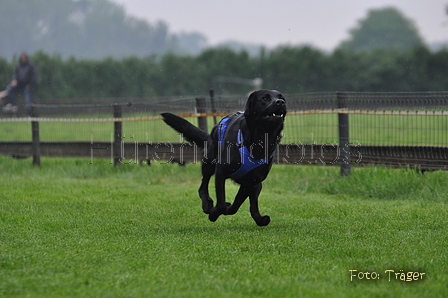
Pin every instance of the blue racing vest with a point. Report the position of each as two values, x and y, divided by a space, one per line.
248 163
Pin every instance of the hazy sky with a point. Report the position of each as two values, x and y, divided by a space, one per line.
323 23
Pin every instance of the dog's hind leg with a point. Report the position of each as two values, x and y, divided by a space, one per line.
221 206
240 197
254 210
208 170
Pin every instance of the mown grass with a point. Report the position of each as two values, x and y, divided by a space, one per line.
70 229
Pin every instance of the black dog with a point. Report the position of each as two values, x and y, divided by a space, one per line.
240 147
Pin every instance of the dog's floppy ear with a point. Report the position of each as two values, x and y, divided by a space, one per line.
250 104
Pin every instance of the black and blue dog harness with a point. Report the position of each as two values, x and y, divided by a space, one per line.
248 163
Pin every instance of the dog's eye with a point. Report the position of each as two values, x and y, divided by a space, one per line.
265 98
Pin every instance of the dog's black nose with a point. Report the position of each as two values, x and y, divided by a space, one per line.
280 102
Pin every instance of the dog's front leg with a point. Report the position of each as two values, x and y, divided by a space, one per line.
254 210
221 206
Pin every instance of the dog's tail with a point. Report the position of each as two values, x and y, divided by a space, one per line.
190 132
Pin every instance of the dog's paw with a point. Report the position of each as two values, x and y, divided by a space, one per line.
217 211
231 210
263 221
207 206
213 216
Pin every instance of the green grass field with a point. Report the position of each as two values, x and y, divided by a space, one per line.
318 128
70 229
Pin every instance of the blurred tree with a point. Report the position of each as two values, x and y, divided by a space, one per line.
288 69
296 69
83 28
178 75
252 48
189 43
383 28
224 62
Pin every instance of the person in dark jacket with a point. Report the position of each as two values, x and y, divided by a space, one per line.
23 79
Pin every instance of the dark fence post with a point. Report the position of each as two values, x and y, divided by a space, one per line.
212 100
344 141
118 132
201 108
36 138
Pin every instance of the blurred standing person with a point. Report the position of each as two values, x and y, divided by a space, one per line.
23 79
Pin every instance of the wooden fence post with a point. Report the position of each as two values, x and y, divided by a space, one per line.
118 132
344 141
201 108
35 138
212 100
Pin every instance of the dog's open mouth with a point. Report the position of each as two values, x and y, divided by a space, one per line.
275 114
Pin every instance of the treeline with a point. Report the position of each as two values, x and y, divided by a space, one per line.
86 28
289 69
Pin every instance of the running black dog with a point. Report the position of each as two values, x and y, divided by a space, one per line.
240 147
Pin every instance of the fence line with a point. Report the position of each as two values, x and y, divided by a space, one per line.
330 139
195 115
